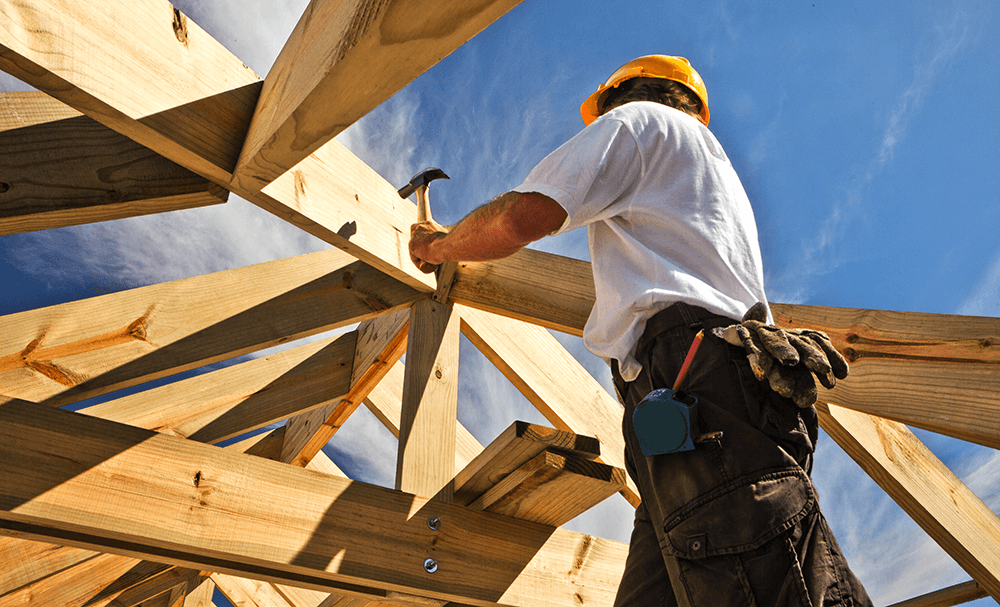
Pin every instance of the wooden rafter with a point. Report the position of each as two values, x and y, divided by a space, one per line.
350 537
62 168
335 46
150 332
924 487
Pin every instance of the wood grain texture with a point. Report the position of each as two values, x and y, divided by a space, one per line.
924 487
93 583
515 446
156 77
379 344
202 595
26 562
222 404
161 81
73 170
425 464
541 288
50 355
385 403
154 586
938 372
140 493
335 47
243 592
552 489
548 376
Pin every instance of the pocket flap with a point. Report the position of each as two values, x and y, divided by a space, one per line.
741 517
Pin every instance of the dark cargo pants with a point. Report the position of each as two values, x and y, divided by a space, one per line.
736 521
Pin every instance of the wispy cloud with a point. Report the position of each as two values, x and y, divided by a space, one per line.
824 252
984 300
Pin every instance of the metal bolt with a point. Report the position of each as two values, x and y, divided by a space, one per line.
434 522
430 565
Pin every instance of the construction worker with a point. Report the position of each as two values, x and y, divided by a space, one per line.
673 244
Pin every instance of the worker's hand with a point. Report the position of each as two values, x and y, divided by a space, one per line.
787 358
423 237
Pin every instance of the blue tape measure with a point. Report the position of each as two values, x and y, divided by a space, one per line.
663 422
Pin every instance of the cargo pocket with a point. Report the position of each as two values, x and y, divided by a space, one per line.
739 516
728 546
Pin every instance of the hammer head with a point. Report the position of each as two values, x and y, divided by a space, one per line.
424 177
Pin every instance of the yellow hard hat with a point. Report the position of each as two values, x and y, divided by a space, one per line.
677 69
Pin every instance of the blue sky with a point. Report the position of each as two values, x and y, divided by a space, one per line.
865 134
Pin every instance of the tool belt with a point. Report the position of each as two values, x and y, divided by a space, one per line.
675 315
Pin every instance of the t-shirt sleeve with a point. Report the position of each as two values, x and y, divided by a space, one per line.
589 173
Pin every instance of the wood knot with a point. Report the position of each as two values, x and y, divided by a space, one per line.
197 478
851 355
180 27
852 338
986 342
4 187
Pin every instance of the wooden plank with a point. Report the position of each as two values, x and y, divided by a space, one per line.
385 403
243 592
938 372
161 81
380 343
235 400
338 198
425 462
156 77
49 355
27 562
562 390
324 533
515 446
333 53
202 595
540 288
94 583
924 487
946 597
73 170
156 585
552 489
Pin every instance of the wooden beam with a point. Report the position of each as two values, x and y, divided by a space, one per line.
164 83
518 444
946 597
49 355
562 390
550 290
202 595
552 489
425 463
28 562
156 77
235 400
924 487
331 55
380 343
93 583
71 170
244 592
385 403
934 371
153 586
210 509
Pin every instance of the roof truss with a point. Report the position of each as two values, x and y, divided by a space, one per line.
202 124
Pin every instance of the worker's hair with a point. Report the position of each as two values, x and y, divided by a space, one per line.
660 90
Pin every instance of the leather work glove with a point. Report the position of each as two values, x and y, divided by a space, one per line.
787 358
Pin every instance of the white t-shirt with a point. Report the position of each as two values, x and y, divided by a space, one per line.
667 217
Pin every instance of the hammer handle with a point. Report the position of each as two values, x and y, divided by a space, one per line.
423 204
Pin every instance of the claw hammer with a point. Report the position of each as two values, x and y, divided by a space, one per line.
419 185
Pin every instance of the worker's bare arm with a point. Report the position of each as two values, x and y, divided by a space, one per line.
493 231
